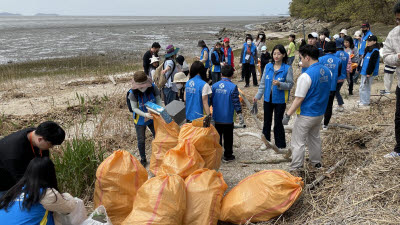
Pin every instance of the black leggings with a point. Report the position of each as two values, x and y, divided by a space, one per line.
279 130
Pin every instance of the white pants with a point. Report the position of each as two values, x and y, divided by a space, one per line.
388 80
306 129
365 89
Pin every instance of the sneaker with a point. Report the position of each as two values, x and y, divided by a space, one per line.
255 85
325 127
241 80
387 93
246 85
340 109
143 162
318 166
229 158
392 155
361 105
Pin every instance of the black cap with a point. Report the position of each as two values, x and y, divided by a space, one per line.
365 25
372 38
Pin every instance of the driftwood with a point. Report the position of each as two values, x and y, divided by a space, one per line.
343 126
326 174
248 105
272 161
111 78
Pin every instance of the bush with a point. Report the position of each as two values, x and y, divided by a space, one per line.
76 166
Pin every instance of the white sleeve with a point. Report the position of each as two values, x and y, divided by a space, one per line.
303 85
206 90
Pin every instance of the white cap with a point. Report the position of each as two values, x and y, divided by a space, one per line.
327 39
154 59
313 34
358 33
180 77
264 48
343 31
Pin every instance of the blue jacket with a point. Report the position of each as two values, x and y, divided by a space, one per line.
225 99
207 64
316 100
217 68
140 120
35 216
228 58
333 64
344 57
364 42
366 63
253 53
194 101
278 96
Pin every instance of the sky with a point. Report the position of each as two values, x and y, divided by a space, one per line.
147 7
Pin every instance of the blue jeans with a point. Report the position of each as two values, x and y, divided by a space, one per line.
141 138
215 76
338 95
365 89
169 95
290 60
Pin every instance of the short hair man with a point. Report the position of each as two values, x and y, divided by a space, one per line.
155 48
19 148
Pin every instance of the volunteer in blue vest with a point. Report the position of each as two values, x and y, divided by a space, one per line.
275 85
334 64
36 199
311 100
366 30
344 73
217 61
204 54
225 102
228 53
170 68
197 92
143 91
369 69
248 61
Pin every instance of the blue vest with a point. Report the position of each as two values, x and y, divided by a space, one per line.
366 62
253 53
304 69
364 43
216 68
140 120
35 216
357 43
344 57
316 100
207 64
278 96
228 58
332 63
223 109
194 101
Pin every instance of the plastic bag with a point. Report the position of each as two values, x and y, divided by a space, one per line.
118 179
204 191
182 160
166 138
261 196
77 216
101 213
206 141
161 200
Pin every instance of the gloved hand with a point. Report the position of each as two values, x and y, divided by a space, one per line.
241 119
285 120
254 109
148 116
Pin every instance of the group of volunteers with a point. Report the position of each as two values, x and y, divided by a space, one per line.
29 193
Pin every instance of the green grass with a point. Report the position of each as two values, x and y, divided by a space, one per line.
76 166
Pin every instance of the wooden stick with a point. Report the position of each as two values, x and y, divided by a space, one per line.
272 161
248 105
343 126
323 176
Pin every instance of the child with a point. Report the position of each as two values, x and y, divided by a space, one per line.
154 63
182 65
225 100
265 58
180 80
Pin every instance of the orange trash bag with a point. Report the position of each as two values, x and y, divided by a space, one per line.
119 177
166 138
160 201
204 191
206 141
182 160
261 196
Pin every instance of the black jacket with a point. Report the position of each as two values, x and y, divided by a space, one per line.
146 61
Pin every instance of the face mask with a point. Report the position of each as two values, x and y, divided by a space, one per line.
260 36
179 86
365 31
142 89
249 42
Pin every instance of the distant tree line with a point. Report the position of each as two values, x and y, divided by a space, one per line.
344 10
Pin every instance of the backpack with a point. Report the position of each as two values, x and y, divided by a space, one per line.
159 79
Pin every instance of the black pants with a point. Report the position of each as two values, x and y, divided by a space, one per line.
351 81
226 131
397 121
279 130
328 111
248 71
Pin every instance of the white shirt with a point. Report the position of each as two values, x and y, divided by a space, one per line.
303 85
206 90
169 83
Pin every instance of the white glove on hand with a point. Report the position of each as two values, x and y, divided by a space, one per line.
285 120
241 119
148 116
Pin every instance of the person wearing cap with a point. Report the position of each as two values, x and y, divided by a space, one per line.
391 57
354 57
366 30
228 53
260 40
265 59
248 61
291 49
197 92
217 60
369 69
313 40
180 80
275 85
204 55
334 64
343 33
311 100
357 39
154 63
225 102
344 72
141 92
155 48
19 148
169 70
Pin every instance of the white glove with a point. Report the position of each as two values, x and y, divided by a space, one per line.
148 116
241 119
285 120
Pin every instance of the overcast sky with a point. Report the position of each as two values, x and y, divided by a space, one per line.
147 7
